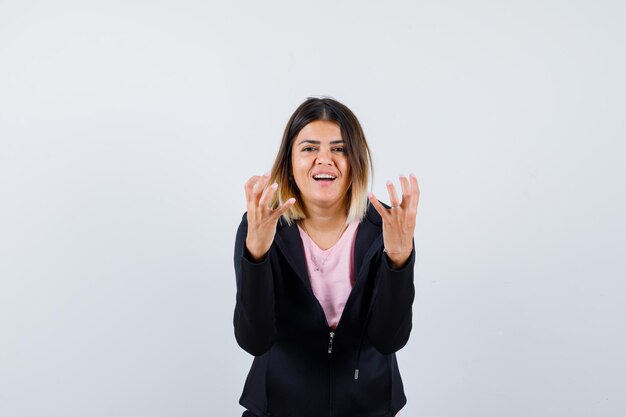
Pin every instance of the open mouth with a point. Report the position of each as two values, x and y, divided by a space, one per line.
324 177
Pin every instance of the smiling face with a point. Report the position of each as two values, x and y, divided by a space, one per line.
320 165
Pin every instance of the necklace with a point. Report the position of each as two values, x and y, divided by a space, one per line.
320 267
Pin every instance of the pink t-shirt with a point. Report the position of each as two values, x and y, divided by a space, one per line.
331 272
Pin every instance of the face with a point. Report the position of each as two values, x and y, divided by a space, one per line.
320 165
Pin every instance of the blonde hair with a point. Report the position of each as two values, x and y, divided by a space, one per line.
357 151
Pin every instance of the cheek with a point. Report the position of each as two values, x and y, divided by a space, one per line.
299 169
345 167
297 165
348 174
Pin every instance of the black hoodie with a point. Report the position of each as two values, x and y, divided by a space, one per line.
302 368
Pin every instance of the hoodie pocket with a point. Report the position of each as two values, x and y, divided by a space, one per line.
369 395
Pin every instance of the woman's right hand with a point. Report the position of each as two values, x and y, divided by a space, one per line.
262 219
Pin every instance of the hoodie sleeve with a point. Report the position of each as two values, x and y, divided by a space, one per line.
391 317
254 306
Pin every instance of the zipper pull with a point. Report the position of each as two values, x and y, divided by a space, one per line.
330 342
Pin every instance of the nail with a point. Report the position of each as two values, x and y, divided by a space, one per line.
274 186
389 182
291 200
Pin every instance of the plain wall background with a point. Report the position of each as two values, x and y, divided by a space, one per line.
127 130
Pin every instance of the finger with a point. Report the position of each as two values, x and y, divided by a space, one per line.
377 206
406 193
268 195
258 188
284 207
250 199
415 191
249 185
393 196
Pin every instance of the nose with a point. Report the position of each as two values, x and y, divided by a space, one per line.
324 157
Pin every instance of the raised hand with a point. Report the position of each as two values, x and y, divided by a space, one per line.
399 220
262 219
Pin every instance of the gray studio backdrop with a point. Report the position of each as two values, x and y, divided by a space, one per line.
127 130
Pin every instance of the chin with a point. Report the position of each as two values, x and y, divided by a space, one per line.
327 200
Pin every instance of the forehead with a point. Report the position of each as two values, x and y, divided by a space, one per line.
319 130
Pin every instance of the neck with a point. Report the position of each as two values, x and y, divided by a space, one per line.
325 226
325 219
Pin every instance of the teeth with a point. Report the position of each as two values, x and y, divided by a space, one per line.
324 177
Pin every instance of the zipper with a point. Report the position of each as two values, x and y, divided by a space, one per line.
331 336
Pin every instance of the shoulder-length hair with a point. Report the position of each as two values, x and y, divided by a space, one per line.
357 151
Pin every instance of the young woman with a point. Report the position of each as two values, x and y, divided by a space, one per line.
324 279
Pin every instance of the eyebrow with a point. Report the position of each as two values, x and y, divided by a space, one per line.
317 142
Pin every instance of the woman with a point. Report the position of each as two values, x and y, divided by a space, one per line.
324 279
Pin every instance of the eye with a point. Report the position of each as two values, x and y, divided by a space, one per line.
340 149
308 149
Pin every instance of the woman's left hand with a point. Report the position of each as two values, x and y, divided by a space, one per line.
399 220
